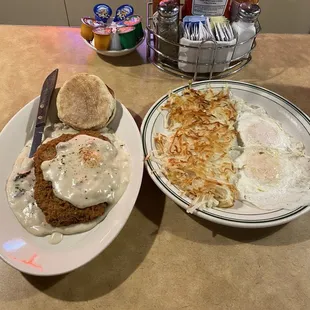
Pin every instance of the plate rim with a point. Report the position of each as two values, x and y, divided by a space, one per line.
99 250
211 217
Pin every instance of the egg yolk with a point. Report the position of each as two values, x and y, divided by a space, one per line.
264 167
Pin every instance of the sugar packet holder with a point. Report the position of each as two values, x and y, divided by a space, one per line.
189 51
213 47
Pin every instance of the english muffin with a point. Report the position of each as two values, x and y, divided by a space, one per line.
85 102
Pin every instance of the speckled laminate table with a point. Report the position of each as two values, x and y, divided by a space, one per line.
163 258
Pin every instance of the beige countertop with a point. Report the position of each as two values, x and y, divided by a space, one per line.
163 258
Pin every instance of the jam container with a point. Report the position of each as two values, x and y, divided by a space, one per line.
102 36
135 21
127 37
115 41
87 26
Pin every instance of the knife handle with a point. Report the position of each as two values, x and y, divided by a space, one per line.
43 107
45 98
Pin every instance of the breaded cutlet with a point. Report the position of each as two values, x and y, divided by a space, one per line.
59 212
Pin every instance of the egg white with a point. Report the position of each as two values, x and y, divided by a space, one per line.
271 178
257 128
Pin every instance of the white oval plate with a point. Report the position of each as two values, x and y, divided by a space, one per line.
34 255
113 53
294 121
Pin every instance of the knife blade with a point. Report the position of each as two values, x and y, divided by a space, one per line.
45 100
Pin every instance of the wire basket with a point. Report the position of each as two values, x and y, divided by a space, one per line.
172 65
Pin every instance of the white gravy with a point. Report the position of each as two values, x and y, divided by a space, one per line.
20 185
85 172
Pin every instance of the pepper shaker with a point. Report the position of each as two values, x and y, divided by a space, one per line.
168 28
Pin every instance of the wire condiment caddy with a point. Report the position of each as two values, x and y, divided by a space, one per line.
197 67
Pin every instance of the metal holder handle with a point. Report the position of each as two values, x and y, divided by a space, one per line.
155 56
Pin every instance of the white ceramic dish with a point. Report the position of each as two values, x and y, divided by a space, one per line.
113 53
294 121
34 255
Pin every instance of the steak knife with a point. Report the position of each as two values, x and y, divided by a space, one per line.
45 100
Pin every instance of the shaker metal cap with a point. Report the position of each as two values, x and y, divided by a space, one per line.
249 12
168 8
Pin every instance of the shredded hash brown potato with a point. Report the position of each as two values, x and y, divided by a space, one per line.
195 157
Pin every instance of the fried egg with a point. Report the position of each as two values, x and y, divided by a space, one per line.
273 179
257 128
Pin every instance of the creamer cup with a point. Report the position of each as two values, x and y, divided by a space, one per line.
123 12
102 12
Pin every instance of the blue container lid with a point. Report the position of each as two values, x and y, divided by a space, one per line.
102 12
123 12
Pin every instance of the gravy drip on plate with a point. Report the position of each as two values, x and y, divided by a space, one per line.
20 188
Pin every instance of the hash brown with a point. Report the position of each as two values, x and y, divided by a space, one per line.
195 155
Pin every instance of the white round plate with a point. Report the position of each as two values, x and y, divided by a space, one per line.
34 255
113 53
294 121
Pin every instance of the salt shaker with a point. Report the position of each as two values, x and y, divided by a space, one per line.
168 28
244 29
234 9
